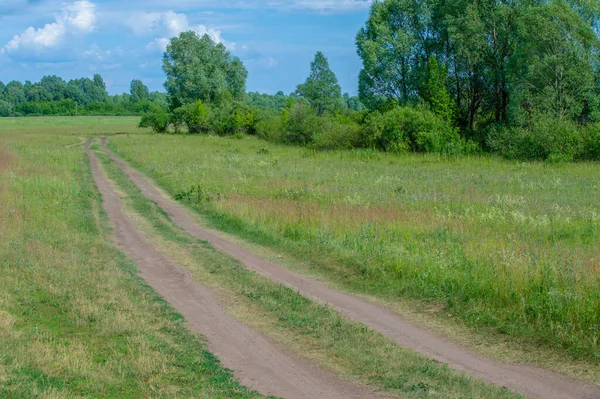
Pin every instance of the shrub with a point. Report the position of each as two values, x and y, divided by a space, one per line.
403 128
269 128
592 142
337 134
156 118
194 116
300 123
544 138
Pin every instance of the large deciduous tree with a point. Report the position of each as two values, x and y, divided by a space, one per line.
321 88
505 59
197 68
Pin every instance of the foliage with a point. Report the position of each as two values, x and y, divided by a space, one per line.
266 102
434 90
403 128
138 91
545 138
321 88
5 108
269 128
197 68
194 115
300 122
156 118
505 60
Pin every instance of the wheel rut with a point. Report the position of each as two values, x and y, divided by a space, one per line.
255 360
529 381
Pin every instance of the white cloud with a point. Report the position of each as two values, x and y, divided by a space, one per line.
166 25
74 20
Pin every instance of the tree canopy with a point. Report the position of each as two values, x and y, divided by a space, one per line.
503 60
197 68
321 88
138 91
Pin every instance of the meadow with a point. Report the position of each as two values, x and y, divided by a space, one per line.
75 320
503 247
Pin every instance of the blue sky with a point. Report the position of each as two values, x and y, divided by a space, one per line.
123 40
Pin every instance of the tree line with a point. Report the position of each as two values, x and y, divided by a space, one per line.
516 77
519 78
54 96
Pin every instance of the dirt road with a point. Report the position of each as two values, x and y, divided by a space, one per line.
529 381
256 361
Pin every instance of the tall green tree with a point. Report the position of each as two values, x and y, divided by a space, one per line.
555 68
197 68
99 83
434 89
321 88
394 46
504 58
138 91
56 86
2 87
14 93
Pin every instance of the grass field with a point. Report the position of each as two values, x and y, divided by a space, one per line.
310 329
505 249
508 248
75 320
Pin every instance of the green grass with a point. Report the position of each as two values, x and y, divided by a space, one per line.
75 320
312 330
506 248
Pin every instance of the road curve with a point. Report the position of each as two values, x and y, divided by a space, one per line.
529 381
255 360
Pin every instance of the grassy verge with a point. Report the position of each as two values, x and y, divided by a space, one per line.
311 329
508 249
75 320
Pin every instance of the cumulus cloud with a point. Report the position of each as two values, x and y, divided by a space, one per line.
166 25
74 20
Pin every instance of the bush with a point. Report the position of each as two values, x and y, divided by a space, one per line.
592 142
300 123
403 128
545 138
194 116
156 118
269 128
337 133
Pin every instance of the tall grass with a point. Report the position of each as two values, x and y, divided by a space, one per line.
513 247
75 320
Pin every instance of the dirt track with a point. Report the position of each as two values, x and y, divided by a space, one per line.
256 361
529 381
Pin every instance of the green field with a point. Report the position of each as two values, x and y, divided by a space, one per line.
75 320
508 248
488 250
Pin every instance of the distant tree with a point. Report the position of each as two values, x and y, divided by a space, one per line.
321 88
56 86
199 69
2 87
353 103
38 93
99 83
138 91
5 108
14 93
